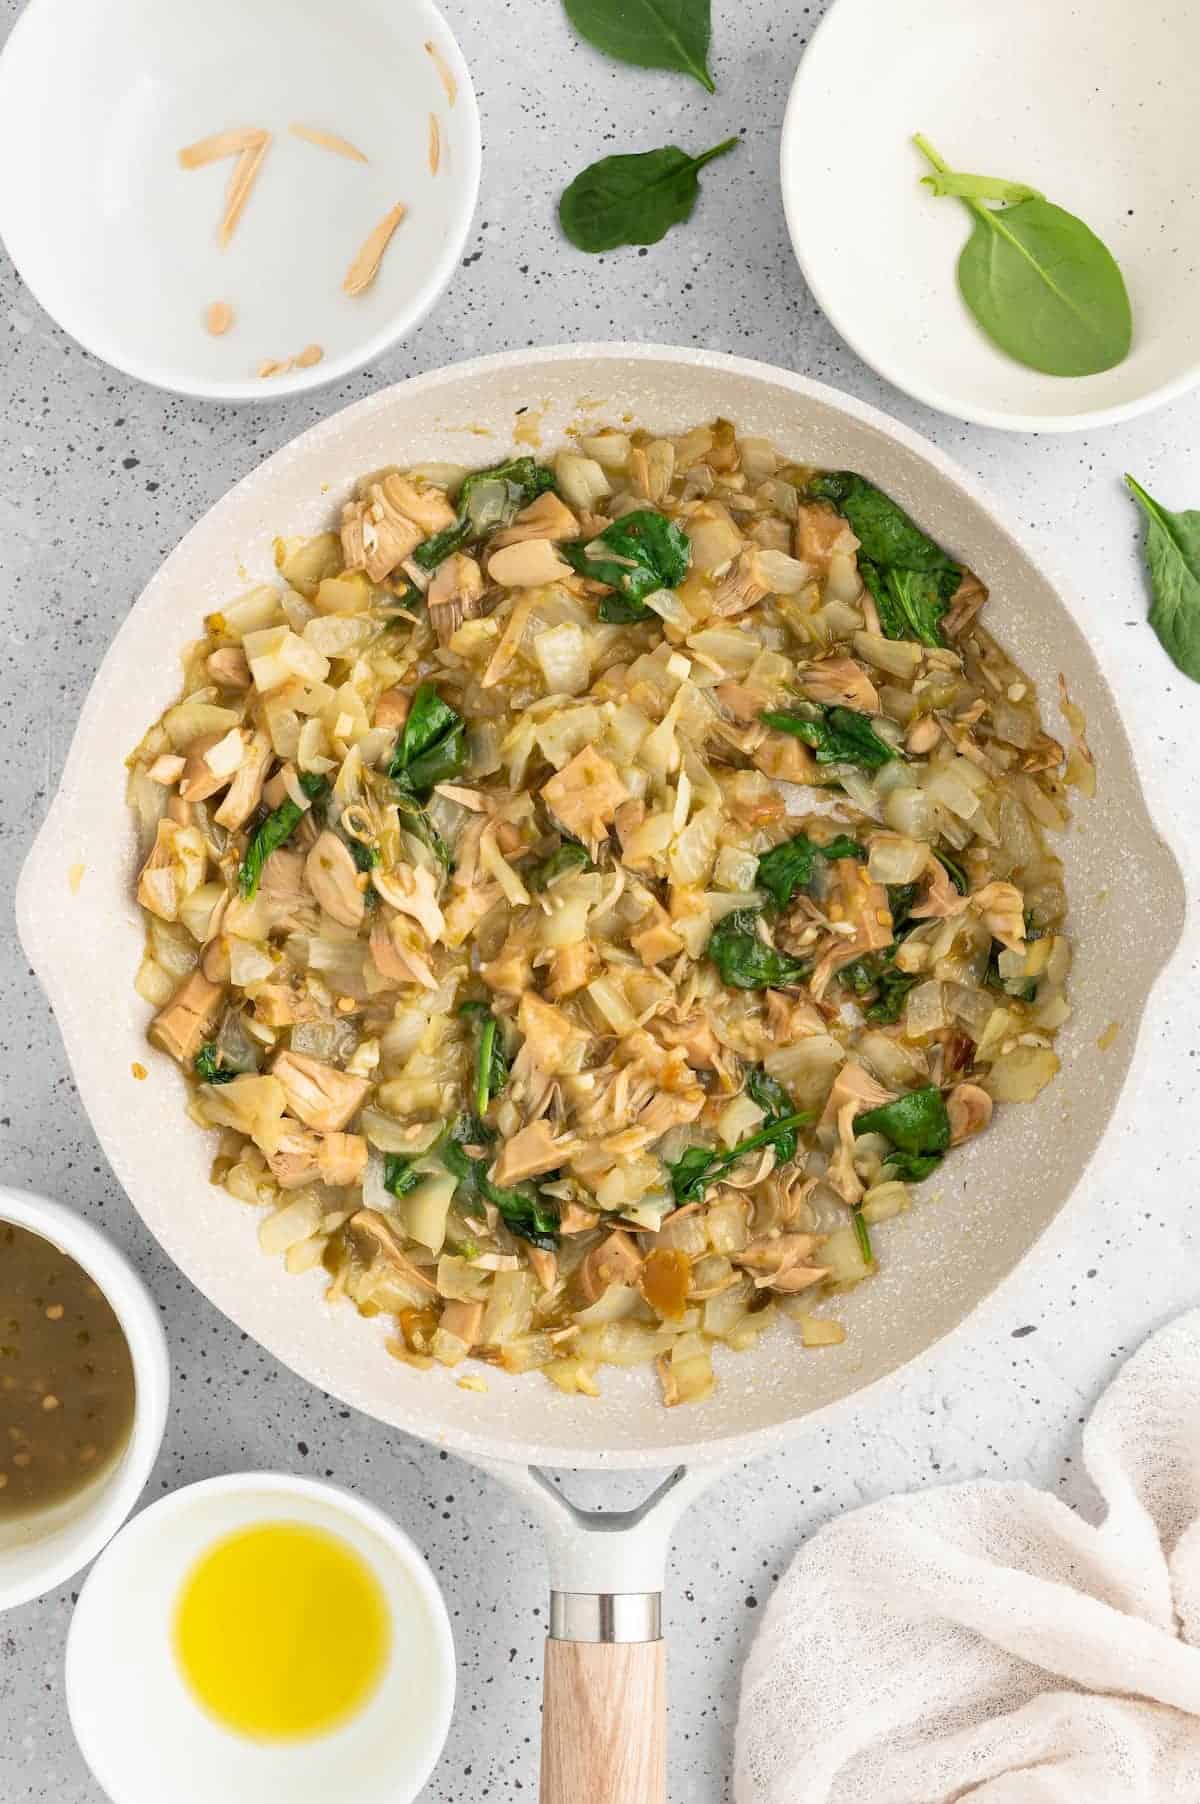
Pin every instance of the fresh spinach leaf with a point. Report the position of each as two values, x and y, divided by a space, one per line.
274 832
789 867
433 745
398 1174
487 499
700 1166
653 34
744 959
916 1123
1173 560
208 1067
836 735
569 858
1037 279
638 554
633 199
491 1065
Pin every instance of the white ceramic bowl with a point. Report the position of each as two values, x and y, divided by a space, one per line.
118 242
143 1733
42 1553
1089 100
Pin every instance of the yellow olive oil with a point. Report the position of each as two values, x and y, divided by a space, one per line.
282 1631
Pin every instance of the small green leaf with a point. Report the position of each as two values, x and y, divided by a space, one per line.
1039 281
638 554
208 1068
513 484
274 832
569 859
398 1174
789 867
433 746
700 1166
653 34
633 199
744 959
836 735
916 1122
1173 561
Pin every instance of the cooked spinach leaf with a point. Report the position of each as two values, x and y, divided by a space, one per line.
638 554
744 959
525 1212
633 199
911 1168
274 832
771 1097
653 34
487 499
1037 279
789 867
1021 989
893 986
836 735
700 1166
569 858
910 577
910 603
433 745
399 1175
953 869
491 1065
916 1123
1173 561
208 1067
863 1236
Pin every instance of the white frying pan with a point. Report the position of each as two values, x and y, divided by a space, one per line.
83 936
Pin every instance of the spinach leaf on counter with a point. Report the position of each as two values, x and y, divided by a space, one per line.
836 735
789 867
208 1068
1037 279
1173 561
744 959
569 858
433 745
274 832
638 554
487 499
916 1123
700 1166
633 199
653 34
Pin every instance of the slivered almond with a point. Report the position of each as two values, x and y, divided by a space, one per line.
363 270
435 143
218 317
275 366
308 356
221 144
445 73
240 183
342 147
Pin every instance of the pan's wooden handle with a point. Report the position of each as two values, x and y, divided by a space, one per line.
604 1729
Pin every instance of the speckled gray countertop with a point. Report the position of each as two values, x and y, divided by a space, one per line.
98 480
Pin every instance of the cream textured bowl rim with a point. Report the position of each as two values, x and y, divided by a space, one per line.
628 1428
138 1315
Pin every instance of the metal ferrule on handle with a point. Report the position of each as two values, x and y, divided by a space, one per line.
606 1616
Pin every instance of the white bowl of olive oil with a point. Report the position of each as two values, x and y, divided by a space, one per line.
260 1636
84 1382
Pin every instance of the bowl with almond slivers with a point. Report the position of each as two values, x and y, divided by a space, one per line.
253 209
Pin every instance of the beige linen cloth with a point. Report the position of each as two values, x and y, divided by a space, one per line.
984 1642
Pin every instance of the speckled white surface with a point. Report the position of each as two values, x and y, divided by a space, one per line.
98 479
